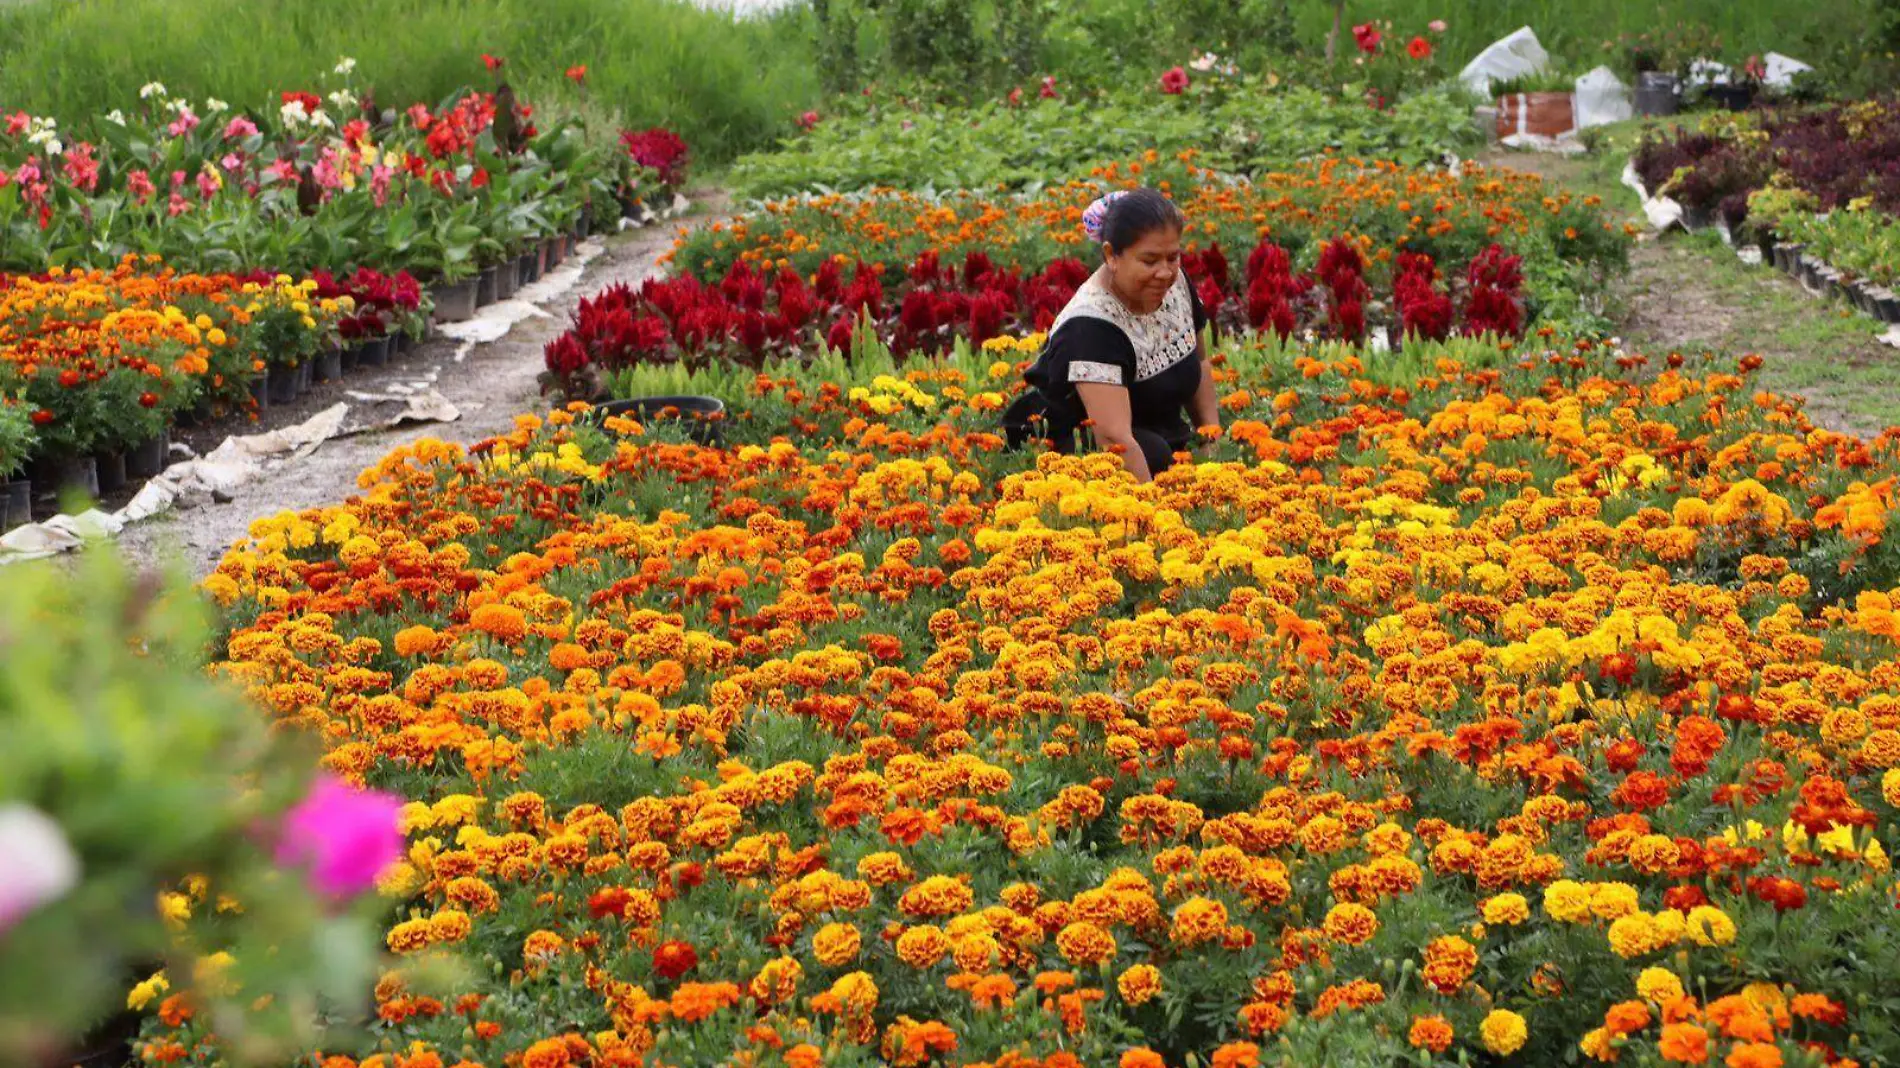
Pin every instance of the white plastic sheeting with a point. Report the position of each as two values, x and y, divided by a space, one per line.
1516 54
1602 98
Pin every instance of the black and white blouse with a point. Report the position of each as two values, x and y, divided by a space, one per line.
1097 339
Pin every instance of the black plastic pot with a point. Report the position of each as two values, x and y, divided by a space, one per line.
1732 97
58 474
260 391
485 285
16 504
454 303
328 366
148 458
507 278
110 465
1889 304
306 376
281 384
704 414
372 352
1657 94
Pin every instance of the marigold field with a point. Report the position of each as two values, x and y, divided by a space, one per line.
1541 707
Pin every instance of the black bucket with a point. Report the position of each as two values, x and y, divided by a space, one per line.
704 414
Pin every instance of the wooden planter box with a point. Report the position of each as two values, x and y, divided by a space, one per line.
1543 114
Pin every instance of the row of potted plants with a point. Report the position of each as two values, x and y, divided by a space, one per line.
330 182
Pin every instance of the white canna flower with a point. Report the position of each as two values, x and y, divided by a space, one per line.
213 105
342 100
293 114
345 65
151 89
116 117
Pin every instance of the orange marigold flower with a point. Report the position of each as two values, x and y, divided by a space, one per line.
1430 1032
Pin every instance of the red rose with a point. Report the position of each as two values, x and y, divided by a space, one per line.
1174 82
673 959
1420 48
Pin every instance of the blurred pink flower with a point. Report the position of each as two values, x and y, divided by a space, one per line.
239 127
808 120
177 206
345 837
1174 82
231 161
17 123
139 184
183 124
283 169
1436 25
37 865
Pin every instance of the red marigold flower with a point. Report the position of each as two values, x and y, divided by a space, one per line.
1419 48
674 959
148 399
1174 82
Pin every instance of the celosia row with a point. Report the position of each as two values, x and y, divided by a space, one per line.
1515 715
1384 208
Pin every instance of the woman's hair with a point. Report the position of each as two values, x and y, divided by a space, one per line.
1129 216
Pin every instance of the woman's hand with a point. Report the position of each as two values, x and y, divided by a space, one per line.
1113 425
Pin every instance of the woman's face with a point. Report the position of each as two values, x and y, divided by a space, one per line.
1146 269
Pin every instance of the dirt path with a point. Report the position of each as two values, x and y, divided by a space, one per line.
494 382
1690 292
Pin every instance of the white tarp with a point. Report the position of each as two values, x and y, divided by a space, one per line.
1602 98
1780 70
1509 57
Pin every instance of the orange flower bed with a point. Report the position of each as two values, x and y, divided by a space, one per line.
1506 714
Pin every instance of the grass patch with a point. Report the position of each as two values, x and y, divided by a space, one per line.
724 84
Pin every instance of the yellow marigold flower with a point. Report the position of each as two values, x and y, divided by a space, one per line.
1710 926
1507 910
922 946
1351 924
836 944
1504 1032
143 994
1084 944
1659 986
1199 920
1140 984
1634 935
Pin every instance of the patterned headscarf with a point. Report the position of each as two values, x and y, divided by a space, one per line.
1096 214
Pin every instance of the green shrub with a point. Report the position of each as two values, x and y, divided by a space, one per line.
1242 130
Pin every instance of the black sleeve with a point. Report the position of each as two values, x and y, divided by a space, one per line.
1084 350
1200 312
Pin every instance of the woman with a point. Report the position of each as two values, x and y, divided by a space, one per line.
1125 356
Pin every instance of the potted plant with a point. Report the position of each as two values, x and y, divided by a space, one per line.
16 443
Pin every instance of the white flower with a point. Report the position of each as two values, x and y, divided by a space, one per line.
150 90
213 105
321 118
293 113
116 117
1205 62
178 106
37 865
345 65
343 100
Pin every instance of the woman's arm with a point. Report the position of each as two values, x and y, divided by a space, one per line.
1204 406
1110 419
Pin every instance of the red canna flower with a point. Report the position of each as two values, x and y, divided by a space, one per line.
1174 82
577 73
492 62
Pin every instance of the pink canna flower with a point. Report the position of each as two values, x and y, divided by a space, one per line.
284 170
345 838
231 161
17 123
183 124
177 205
139 184
239 127
208 184
379 179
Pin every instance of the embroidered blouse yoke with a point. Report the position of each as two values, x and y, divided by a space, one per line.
1098 340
